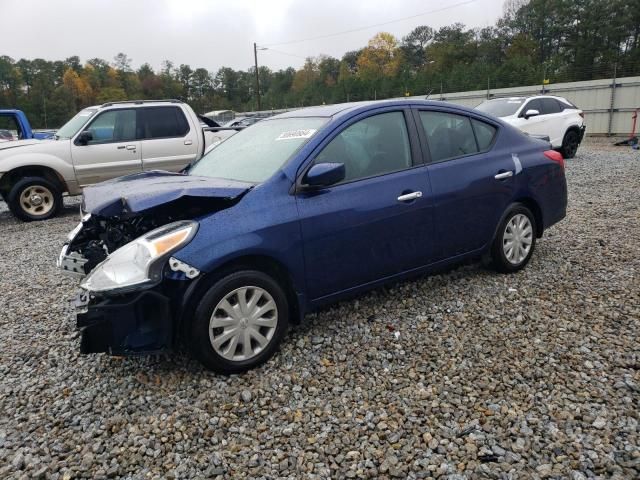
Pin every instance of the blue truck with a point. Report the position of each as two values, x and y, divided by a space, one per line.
15 120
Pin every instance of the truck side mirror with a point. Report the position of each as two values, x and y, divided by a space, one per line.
84 138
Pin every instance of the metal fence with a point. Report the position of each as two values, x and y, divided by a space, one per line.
608 104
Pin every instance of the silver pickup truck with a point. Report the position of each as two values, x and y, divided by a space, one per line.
100 143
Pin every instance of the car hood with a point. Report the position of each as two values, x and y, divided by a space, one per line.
18 143
143 191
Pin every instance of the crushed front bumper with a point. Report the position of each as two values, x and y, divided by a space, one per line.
135 323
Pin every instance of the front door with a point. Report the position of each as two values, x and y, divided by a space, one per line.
536 125
377 222
113 150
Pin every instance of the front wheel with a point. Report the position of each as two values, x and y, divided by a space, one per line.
34 198
515 241
570 144
239 322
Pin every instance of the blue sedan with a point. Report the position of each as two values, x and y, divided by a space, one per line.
300 210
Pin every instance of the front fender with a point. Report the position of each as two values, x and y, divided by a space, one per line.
63 167
263 223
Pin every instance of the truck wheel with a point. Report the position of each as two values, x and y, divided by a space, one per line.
570 144
34 198
239 322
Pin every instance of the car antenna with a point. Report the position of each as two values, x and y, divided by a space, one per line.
428 94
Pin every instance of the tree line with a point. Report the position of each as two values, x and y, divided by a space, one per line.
533 41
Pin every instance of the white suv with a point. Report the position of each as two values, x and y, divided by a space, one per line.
543 115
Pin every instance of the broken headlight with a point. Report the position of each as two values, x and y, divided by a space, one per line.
141 261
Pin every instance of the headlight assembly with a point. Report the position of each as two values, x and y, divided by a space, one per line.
139 262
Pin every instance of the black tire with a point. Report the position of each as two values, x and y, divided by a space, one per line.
570 144
48 193
199 335
499 260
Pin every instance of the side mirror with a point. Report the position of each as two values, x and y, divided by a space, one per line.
324 174
531 113
85 137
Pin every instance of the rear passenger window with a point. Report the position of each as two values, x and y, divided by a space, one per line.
163 122
484 134
448 135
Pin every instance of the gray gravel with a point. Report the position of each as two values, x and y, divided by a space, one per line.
467 374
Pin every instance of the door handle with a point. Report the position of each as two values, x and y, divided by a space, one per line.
409 196
503 175
188 142
131 147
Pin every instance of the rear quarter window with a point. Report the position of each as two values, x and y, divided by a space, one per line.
485 134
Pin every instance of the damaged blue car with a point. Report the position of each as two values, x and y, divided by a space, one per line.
298 211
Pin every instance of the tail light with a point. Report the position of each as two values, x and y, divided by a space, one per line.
581 113
555 156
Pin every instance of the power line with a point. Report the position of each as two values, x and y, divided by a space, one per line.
359 29
269 49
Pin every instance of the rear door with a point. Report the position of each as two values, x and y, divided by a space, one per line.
113 150
472 183
167 139
377 222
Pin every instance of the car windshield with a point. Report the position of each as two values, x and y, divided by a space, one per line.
70 128
255 154
502 107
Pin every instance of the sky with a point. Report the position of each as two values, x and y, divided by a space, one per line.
213 33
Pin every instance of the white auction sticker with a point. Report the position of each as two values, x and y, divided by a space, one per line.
304 133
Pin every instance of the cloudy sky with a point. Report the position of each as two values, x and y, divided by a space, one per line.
213 33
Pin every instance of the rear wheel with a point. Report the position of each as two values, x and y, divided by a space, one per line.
239 322
34 198
570 144
515 241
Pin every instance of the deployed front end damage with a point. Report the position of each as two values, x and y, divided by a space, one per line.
132 287
128 324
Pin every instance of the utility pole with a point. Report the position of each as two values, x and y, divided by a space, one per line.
255 57
612 101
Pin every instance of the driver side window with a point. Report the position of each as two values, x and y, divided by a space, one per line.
373 146
113 126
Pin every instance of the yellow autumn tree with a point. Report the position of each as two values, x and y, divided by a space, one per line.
78 88
306 77
380 58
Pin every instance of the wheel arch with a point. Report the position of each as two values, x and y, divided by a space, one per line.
532 205
12 176
261 263
572 128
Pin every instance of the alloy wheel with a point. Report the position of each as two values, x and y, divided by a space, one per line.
36 200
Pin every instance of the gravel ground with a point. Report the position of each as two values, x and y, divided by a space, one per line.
467 374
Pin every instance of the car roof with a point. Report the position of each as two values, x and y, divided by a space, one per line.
344 108
139 103
526 97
